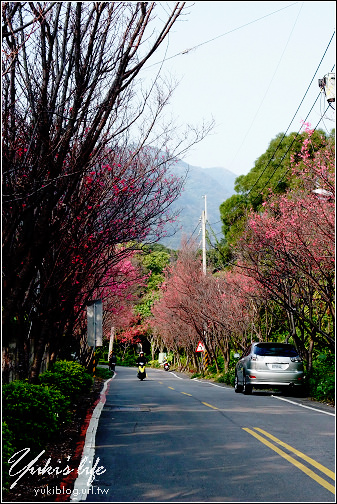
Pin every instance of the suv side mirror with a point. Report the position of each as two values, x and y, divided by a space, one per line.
236 356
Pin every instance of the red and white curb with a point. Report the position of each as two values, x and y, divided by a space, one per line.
86 450
81 485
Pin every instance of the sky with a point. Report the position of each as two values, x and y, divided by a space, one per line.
252 67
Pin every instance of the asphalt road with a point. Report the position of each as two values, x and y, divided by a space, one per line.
173 439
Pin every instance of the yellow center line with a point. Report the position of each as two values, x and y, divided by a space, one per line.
209 405
293 461
319 466
171 388
187 394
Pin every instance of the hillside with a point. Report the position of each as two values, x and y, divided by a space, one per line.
217 184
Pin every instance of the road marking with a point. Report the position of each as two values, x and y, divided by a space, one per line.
209 405
303 405
180 378
293 461
187 394
319 466
171 388
81 483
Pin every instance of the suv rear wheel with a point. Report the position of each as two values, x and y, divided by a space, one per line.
237 387
247 388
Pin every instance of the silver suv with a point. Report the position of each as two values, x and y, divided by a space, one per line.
268 365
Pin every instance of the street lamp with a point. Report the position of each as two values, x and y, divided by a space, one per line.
322 194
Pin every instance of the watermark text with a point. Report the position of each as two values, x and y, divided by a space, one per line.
85 467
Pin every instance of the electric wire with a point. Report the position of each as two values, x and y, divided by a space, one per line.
285 173
196 227
283 176
284 135
186 51
290 148
266 92
284 155
278 146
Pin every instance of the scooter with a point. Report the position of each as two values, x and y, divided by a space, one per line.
166 366
141 371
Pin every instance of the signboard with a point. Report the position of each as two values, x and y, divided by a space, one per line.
200 347
111 342
94 323
162 357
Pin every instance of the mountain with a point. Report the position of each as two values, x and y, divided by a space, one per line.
217 184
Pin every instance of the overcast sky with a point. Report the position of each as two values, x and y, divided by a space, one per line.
248 65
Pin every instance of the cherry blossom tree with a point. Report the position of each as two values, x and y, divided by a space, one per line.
289 250
282 282
77 177
197 307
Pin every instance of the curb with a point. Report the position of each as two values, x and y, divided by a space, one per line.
86 442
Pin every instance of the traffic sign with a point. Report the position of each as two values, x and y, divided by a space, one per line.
200 347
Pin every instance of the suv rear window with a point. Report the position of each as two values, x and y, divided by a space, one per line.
280 349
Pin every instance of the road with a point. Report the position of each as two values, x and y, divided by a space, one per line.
169 439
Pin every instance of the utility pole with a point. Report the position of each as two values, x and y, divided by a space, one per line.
111 342
203 226
327 86
94 327
205 360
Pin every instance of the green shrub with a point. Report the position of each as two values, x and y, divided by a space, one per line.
321 381
197 375
103 373
34 413
154 364
129 358
8 449
212 369
102 353
71 378
227 377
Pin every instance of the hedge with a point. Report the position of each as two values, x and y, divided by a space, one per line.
33 413
71 378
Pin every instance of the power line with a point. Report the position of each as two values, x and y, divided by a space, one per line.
213 223
266 92
292 144
279 181
313 130
284 135
186 51
271 176
196 227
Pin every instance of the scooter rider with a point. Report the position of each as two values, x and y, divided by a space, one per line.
141 358
112 361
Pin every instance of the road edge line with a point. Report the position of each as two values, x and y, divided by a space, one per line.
303 405
88 452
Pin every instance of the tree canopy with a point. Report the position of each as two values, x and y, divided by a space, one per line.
270 173
85 166
280 283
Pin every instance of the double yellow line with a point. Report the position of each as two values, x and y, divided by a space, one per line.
293 461
286 456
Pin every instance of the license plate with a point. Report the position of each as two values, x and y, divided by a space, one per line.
278 366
